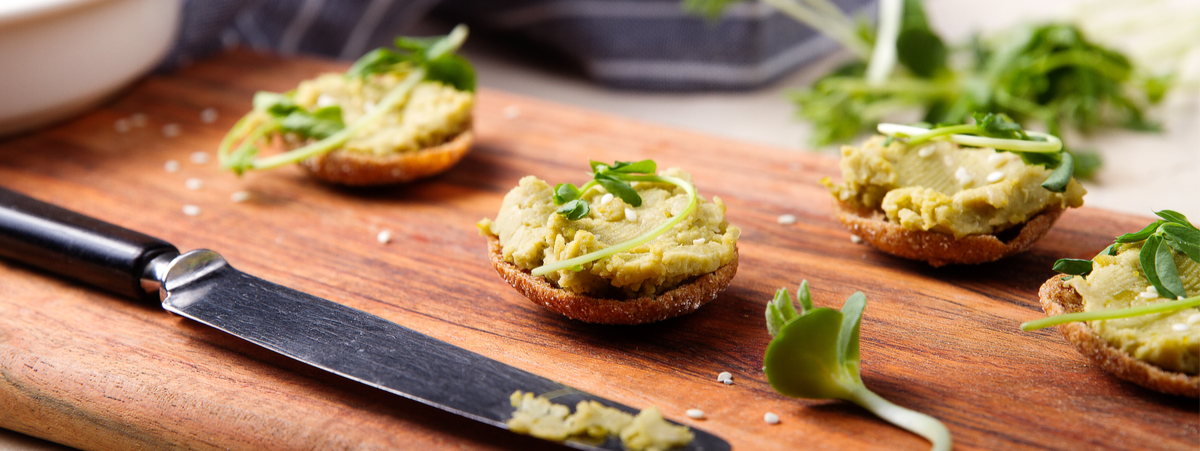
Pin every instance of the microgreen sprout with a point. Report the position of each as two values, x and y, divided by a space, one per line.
615 179
815 354
999 132
419 58
1171 234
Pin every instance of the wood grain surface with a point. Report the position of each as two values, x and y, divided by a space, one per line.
93 371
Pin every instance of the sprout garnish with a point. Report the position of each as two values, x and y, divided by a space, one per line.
616 180
422 58
999 132
1164 237
814 354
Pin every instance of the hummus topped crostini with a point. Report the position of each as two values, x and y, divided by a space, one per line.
629 247
393 117
1128 309
960 194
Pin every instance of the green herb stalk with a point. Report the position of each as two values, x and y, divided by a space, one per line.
815 354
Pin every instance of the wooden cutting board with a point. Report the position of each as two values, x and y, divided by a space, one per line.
93 371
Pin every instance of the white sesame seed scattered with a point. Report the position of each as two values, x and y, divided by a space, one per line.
1194 319
240 196
191 210
121 125
1179 298
786 219
368 106
995 176
384 237
208 115
171 166
1179 327
606 198
948 161
171 130
1152 289
138 120
199 157
856 239
998 159
512 111
724 376
728 381
194 183
1147 295
771 418
925 151
325 100
630 215
699 241
963 177
695 413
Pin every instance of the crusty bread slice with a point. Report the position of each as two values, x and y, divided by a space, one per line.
363 169
681 300
939 249
1058 298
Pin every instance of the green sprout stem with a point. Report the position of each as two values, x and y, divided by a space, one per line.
643 239
393 98
1051 144
916 422
1129 312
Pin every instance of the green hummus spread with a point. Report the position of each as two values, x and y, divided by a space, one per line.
532 234
941 187
648 431
433 114
1169 340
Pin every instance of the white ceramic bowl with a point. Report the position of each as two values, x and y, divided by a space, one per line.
61 57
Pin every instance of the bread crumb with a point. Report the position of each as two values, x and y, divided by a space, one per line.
171 130
856 239
725 376
787 219
171 166
240 196
384 237
191 210
199 157
771 418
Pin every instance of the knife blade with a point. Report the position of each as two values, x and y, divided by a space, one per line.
202 286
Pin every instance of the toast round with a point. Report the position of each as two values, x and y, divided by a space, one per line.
1058 298
940 249
683 299
363 169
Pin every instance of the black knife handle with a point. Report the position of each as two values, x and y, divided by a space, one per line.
76 246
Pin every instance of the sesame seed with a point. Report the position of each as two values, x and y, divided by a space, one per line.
512 111
191 210
384 237
724 376
325 100
199 157
606 198
630 215
240 196
171 166
771 418
695 413
995 177
193 183
963 177
1152 289
787 219
121 125
1179 327
856 239
171 130
1194 319
728 381
998 159
925 151
948 161
699 241
1147 295
208 115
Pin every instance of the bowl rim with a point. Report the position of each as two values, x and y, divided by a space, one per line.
15 11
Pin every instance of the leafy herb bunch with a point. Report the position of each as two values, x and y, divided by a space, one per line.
814 353
419 59
616 180
999 132
1048 73
1160 241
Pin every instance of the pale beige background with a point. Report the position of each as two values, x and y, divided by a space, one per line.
1143 172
